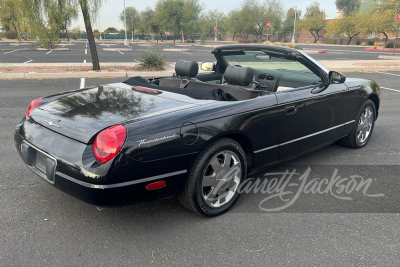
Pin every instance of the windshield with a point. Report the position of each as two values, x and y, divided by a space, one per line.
262 61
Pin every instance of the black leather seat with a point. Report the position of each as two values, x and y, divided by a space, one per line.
239 80
184 71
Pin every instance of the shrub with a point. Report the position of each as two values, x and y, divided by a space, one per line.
267 43
278 43
330 41
291 45
298 47
203 38
370 42
358 42
153 59
389 45
11 35
381 44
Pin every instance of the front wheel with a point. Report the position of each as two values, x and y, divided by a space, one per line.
212 185
363 127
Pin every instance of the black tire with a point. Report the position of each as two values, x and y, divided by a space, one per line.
352 140
193 193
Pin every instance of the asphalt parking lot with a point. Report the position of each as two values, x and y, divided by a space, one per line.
42 226
80 52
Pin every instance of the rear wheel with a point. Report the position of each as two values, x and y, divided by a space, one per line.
363 127
213 181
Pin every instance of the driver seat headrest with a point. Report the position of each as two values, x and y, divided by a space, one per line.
240 76
186 68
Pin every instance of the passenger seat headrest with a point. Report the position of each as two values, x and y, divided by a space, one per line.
241 76
186 68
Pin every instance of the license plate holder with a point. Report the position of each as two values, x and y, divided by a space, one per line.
39 162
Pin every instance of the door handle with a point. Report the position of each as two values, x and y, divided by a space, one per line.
290 110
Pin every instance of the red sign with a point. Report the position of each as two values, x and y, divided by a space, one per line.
397 17
268 24
215 28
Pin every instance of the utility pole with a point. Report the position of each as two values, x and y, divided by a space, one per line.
100 27
126 42
294 28
216 29
397 18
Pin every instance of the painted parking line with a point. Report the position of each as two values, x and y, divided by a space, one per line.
82 83
84 61
85 51
120 52
391 89
28 61
49 52
15 51
388 73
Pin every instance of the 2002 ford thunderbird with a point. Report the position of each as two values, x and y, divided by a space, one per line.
194 135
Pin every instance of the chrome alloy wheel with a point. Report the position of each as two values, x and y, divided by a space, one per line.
221 178
365 124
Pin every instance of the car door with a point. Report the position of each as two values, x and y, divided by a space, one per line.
310 118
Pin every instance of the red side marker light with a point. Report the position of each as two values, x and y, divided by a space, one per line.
156 185
32 106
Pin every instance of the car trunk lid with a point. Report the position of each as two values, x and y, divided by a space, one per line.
82 115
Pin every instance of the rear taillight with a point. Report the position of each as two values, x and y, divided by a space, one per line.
32 106
108 143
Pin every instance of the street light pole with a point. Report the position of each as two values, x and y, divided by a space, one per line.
216 29
126 42
294 28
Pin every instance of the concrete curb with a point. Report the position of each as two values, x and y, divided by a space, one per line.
381 49
396 57
117 49
176 50
31 75
55 49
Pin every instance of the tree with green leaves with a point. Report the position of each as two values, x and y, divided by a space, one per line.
46 21
348 25
111 30
314 20
379 18
272 12
132 19
288 24
348 6
146 25
209 20
70 15
11 15
233 23
179 16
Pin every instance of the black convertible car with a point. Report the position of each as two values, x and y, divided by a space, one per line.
194 135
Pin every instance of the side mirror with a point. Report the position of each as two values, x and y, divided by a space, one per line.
208 66
336 77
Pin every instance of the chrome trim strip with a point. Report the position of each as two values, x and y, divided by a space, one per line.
97 186
265 149
304 137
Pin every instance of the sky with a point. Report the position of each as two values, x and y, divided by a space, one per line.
109 15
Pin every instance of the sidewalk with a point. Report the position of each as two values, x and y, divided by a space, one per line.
83 70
